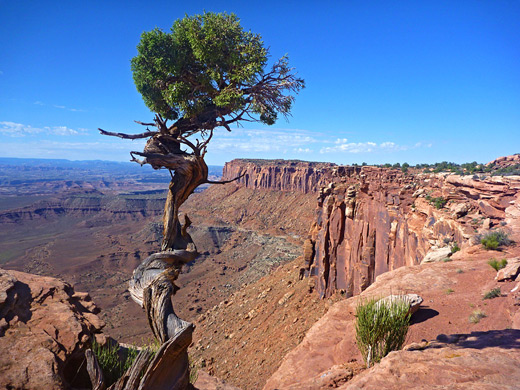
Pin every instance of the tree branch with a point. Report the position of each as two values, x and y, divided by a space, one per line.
128 136
144 124
225 181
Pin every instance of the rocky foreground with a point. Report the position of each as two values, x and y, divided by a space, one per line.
376 232
44 329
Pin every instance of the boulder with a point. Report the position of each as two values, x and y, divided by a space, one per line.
510 271
436 255
413 300
44 332
459 210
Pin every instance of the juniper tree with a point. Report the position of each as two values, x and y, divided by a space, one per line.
206 73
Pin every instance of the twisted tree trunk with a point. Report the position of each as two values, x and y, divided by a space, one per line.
152 285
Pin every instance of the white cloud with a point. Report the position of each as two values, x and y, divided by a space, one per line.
342 145
61 107
262 140
20 130
302 150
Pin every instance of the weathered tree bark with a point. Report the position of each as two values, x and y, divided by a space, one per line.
152 285
94 371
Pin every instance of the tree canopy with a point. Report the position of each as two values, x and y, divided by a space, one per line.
209 72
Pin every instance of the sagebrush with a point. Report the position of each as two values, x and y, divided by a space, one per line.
381 327
495 239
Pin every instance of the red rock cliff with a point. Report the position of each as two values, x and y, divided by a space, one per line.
371 220
282 175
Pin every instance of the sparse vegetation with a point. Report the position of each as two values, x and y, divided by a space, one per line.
459 271
455 248
497 265
438 202
476 316
111 363
493 293
381 328
194 373
446 260
449 291
495 239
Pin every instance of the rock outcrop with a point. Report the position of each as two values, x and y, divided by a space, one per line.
44 329
283 175
372 220
479 360
452 293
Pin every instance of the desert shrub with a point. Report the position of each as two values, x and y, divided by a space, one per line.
439 202
476 316
493 240
493 293
112 365
381 328
455 248
497 264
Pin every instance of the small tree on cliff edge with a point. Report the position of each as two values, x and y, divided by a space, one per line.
206 73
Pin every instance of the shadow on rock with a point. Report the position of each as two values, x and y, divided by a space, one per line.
422 315
506 338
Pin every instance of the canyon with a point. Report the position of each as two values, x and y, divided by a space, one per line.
287 252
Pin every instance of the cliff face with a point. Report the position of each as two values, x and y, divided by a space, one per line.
372 220
282 175
88 204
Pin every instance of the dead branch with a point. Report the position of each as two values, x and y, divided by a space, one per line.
94 371
225 181
146 134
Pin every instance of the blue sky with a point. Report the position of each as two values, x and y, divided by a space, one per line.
403 81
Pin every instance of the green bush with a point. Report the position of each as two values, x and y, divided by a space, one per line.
112 365
438 202
497 265
493 240
455 248
381 327
493 293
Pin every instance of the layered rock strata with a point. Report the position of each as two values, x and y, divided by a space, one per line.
282 175
372 220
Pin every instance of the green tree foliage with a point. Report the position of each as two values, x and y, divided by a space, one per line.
381 328
209 72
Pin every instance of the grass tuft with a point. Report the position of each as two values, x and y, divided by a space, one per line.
112 365
381 328
496 264
476 316
493 293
